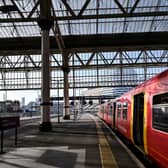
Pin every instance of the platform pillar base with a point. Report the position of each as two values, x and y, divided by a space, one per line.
66 117
45 127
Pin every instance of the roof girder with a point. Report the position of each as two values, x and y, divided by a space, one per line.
77 43
83 17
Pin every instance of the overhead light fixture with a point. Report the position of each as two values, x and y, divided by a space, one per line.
8 8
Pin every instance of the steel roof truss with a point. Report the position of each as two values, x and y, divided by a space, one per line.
33 10
103 58
55 59
17 61
69 9
32 61
115 56
134 6
9 62
149 58
127 57
57 33
120 6
90 59
153 56
20 13
14 27
84 7
84 17
1 60
25 58
6 61
164 55
80 60
153 20
139 55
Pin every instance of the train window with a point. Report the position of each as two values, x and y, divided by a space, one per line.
160 112
102 109
125 109
119 110
111 110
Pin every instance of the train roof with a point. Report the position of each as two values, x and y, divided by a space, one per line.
154 79
148 82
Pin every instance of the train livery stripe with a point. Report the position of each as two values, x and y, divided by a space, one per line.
145 124
107 157
131 119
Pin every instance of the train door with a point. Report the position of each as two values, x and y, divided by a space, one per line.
138 122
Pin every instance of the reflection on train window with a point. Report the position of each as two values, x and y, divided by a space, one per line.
160 112
111 110
125 109
118 110
102 109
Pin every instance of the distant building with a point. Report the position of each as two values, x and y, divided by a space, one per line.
10 106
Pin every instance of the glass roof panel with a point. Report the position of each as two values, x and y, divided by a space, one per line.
83 17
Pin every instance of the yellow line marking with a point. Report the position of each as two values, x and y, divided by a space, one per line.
106 155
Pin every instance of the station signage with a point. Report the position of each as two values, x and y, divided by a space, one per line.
9 122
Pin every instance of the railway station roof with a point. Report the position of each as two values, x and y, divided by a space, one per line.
114 24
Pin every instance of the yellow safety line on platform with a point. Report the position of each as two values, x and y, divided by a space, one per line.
107 157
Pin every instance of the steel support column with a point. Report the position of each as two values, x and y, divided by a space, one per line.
66 86
45 25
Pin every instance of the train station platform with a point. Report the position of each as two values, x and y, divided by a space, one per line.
81 143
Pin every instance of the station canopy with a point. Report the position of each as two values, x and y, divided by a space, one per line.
110 43
18 18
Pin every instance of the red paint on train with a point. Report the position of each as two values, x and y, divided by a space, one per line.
141 115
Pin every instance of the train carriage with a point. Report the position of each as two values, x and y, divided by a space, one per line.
106 112
141 116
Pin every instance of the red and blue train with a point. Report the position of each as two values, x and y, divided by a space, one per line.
141 116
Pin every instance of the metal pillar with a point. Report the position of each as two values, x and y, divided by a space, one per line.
73 78
58 113
66 86
45 25
66 95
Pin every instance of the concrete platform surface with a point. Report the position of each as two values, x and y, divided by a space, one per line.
83 143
